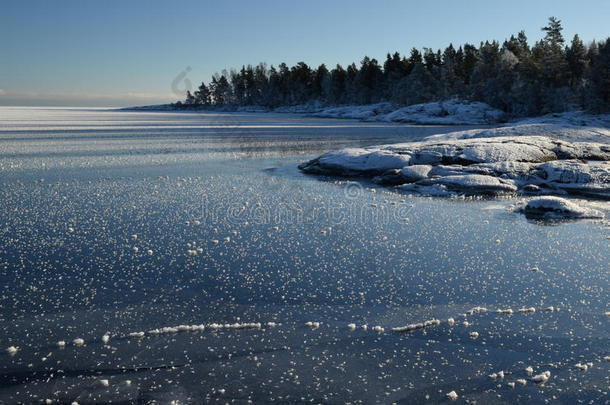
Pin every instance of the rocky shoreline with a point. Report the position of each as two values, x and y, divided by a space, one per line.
527 165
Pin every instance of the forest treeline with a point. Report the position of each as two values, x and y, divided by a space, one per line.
550 76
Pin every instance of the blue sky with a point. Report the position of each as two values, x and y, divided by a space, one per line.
112 53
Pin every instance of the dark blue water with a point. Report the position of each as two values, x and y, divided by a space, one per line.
274 246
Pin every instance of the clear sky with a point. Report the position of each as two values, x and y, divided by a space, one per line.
113 52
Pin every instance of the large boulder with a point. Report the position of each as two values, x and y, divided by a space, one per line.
350 162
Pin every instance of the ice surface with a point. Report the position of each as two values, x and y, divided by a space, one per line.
77 185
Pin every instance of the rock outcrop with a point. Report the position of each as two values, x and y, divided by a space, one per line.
549 207
530 165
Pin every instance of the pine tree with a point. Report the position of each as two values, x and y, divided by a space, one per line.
368 81
202 95
321 82
190 99
483 84
520 79
338 77
225 90
576 56
518 45
553 33
260 92
523 45
351 87
285 83
599 87
415 57
274 95
432 60
554 64
238 85
419 87
471 57
220 90
301 79
549 54
449 72
394 69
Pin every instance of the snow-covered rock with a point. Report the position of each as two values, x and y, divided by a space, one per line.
414 173
550 207
529 165
588 178
360 161
157 107
476 183
570 126
309 108
360 112
450 112
252 109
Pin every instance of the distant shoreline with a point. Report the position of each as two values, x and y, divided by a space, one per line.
449 112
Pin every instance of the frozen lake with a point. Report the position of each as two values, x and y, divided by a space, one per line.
113 223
